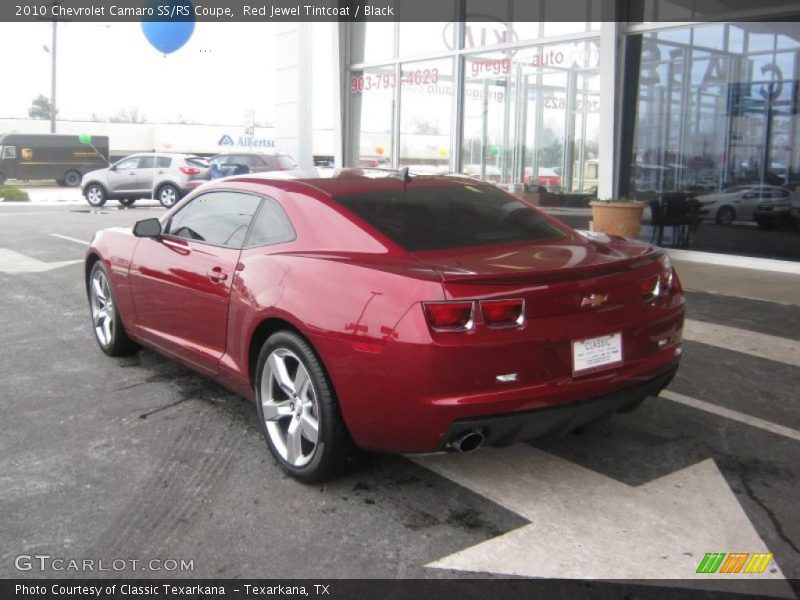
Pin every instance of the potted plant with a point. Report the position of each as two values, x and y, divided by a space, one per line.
617 216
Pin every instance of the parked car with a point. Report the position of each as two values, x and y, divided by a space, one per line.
166 177
547 177
775 212
224 165
737 203
395 315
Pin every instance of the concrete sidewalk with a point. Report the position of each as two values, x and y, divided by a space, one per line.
754 284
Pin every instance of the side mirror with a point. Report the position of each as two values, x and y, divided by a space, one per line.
148 228
112 168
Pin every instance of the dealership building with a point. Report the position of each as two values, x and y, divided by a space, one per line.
681 96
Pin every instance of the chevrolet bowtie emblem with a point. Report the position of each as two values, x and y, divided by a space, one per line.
594 300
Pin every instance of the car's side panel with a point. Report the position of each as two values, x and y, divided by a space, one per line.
180 293
338 298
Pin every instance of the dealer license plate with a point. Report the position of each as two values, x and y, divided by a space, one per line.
596 353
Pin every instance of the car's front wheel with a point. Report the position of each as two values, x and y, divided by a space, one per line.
106 323
95 194
726 215
298 411
168 195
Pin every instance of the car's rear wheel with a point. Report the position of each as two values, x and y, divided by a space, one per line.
95 194
106 323
127 201
72 178
168 195
298 411
726 215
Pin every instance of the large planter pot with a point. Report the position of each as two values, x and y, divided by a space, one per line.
618 218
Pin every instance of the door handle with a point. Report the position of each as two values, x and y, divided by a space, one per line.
216 275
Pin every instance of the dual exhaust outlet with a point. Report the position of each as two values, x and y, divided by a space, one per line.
467 441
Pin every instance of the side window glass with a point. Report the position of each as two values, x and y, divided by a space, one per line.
9 152
147 162
128 163
271 226
163 162
219 218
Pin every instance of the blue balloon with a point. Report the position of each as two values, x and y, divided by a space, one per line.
168 36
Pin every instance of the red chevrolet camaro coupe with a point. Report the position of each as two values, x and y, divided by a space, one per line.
392 313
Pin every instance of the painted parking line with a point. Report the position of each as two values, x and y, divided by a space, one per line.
586 525
733 415
761 345
10 213
15 263
70 239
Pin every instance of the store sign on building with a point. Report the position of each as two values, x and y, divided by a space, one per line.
242 141
479 34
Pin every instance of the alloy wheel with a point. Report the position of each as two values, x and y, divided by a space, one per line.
102 308
94 195
289 407
168 196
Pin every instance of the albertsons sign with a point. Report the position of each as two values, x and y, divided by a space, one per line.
245 142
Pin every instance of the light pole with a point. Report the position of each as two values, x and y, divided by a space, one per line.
53 80
52 52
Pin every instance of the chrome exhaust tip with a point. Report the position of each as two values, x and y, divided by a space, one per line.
469 441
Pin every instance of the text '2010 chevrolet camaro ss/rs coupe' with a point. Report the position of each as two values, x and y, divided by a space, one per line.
391 313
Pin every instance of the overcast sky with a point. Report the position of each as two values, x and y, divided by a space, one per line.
222 71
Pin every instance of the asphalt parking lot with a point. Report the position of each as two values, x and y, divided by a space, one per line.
139 458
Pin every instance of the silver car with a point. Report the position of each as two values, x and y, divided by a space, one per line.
166 177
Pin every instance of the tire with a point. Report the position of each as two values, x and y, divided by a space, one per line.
95 194
106 323
288 418
168 195
72 179
726 215
127 201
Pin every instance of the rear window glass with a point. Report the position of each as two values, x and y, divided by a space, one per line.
197 162
438 218
163 162
286 162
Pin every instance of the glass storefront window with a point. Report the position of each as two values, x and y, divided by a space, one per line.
426 115
372 111
717 120
426 38
372 41
531 117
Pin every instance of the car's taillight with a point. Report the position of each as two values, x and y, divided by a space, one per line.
662 285
503 313
189 170
449 316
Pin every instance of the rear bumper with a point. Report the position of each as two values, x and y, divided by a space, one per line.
506 429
